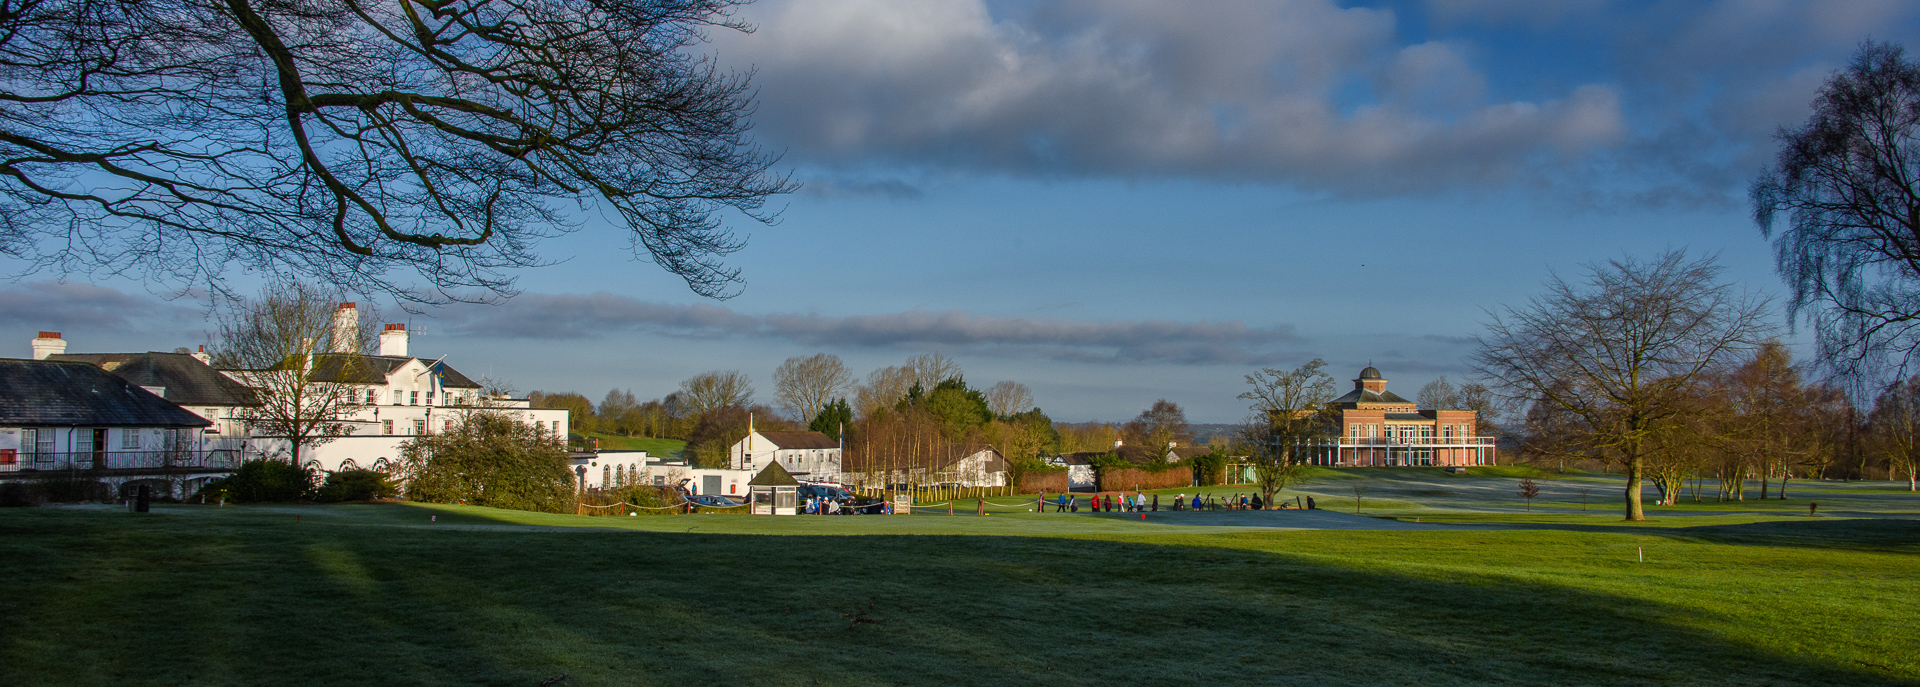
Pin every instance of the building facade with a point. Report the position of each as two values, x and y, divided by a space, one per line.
1378 428
808 456
73 416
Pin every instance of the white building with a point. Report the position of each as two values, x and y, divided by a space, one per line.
57 415
984 467
398 397
808 456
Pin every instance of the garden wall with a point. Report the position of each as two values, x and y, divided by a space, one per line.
1049 481
1132 479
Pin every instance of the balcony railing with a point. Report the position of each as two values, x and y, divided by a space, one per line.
1414 442
131 460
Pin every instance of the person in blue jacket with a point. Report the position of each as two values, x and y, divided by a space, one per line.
1196 502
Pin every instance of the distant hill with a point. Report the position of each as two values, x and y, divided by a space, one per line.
1202 432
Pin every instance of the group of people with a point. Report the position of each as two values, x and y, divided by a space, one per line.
1106 503
821 506
1143 502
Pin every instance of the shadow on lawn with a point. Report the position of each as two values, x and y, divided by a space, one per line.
1892 535
105 598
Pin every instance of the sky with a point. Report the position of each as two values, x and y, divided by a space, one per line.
1118 201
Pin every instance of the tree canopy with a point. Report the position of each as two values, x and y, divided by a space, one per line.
370 145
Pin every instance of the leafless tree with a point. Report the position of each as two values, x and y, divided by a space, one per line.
1615 355
930 369
1290 416
303 367
709 390
1895 427
1848 182
1009 398
1156 430
1360 487
804 385
1439 394
883 388
345 140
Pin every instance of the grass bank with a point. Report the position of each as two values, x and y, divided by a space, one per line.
379 594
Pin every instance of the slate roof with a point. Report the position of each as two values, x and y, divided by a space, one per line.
774 476
796 440
1186 452
185 379
1409 416
1081 458
373 369
80 394
1365 396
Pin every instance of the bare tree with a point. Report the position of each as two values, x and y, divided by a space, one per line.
1009 398
1156 430
1290 416
1848 182
346 139
1614 356
302 363
1360 487
930 369
1439 394
1895 427
884 387
804 385
708 390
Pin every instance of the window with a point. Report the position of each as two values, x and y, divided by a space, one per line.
419 426
606 475
129 439
540 426
386 426
1373 431
446 426
43 446
373 397
397 396
414 398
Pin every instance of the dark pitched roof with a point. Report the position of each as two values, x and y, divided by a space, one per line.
373 369
1423 415
186 380
104 361
1186 452
774 476
1081 458
792 440
45 392
1365 396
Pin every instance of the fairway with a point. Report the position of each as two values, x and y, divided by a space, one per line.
409 594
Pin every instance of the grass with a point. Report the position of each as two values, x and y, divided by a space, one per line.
377 594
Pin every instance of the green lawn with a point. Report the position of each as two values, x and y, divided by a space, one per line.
377 594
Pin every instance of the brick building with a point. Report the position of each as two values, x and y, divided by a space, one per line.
1379 428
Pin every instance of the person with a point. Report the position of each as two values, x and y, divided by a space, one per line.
1156 503
1074 503
1062 508
833 507
1179 499
1196 501
1310 503
1140 503
1243 502
1257 502
1097 501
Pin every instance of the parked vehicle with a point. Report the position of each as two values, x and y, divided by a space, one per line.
850 503
712 501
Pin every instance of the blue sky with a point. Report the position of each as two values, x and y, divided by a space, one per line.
1119 201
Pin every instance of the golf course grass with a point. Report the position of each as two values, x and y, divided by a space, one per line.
417 594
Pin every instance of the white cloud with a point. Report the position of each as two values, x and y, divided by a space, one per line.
1297 91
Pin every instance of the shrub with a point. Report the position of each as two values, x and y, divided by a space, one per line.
355 485
263 481
16 494
489 459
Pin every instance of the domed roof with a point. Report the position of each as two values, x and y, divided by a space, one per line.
1370 373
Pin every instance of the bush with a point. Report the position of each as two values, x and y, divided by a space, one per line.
263 481
17 494
489 459
355 485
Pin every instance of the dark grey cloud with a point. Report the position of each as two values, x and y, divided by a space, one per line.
57 306
569 316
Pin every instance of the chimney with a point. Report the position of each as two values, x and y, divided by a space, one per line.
346 329
48 344
201 355
393 341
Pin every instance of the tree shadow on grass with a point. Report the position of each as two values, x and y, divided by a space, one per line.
1888 535
245 602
